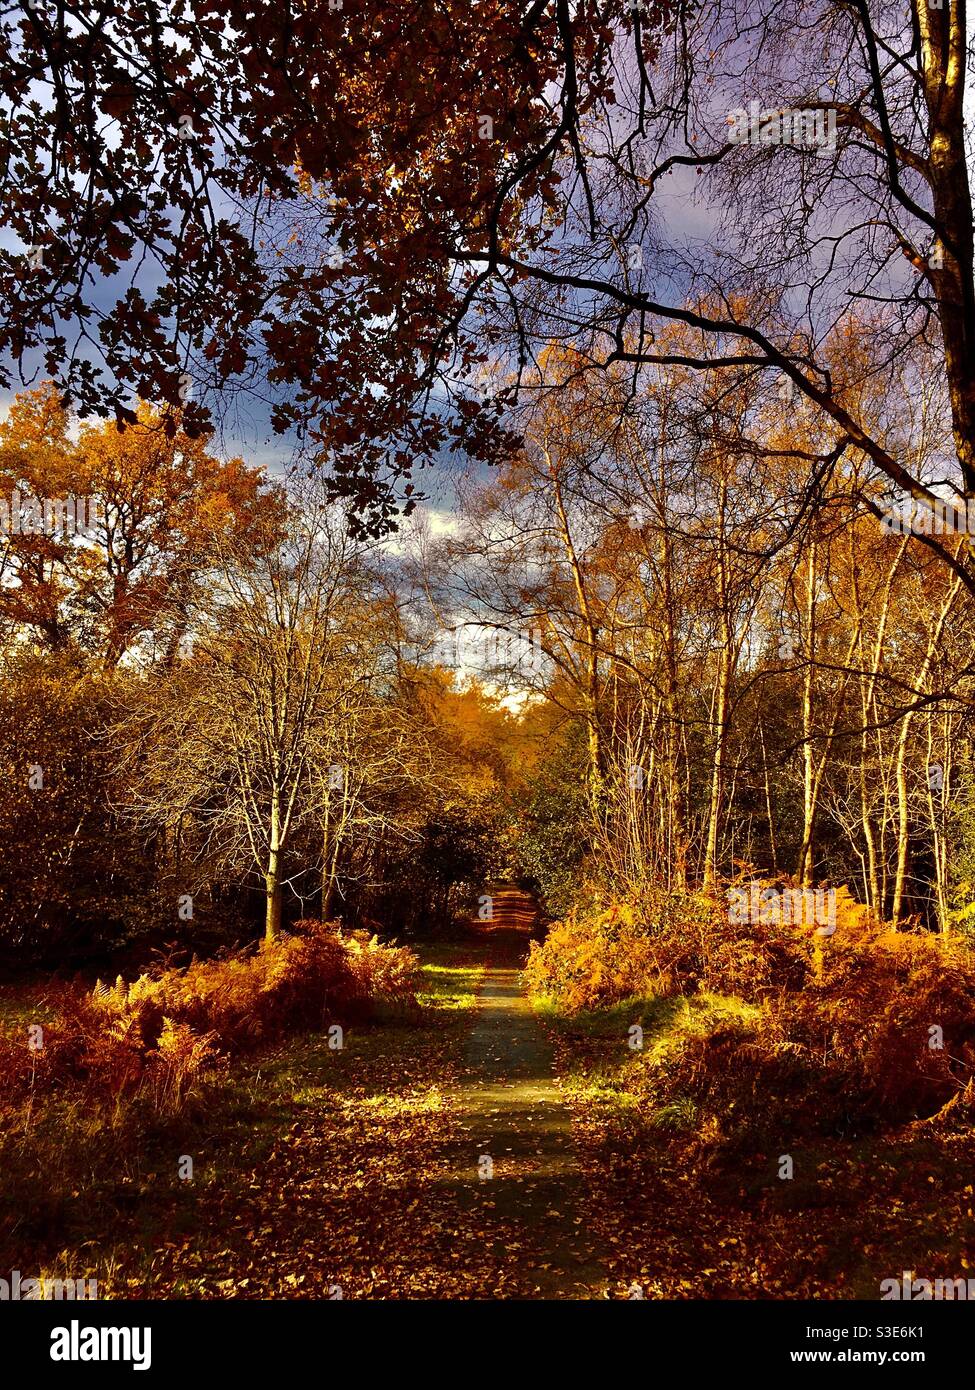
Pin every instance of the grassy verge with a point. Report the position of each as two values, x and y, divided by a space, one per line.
451 975
701 1205
307 1165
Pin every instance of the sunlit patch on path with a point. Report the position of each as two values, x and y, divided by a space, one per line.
516 1170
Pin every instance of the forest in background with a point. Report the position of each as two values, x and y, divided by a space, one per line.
264 774
649 652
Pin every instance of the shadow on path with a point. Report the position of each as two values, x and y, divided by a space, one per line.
517 1169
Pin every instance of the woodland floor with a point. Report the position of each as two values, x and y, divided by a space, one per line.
361 1173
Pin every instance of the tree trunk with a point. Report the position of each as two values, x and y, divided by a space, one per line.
678 836
590 638
768 801
944 55
272 877
272 915
804 872
328 877
720 712
903 802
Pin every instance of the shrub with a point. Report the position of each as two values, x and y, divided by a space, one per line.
305 979
159 1035
724 1063
665 943
589 960
871 1012
849 1052
779 1029
389 973
178 1059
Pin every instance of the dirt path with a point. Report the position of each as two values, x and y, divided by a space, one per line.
358 1172
522 1173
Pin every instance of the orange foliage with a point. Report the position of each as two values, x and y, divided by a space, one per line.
157 503
160 1035
589 960
664 943
865 1026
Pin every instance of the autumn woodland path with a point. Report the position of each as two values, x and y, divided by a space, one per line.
473 1149
429 1158
517 1126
